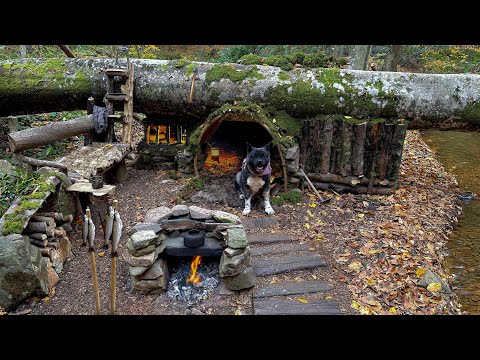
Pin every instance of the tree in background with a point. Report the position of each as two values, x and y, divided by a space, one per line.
392 58
359 57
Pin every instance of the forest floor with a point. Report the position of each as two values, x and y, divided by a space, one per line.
376 247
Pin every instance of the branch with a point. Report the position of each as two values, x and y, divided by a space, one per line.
67 51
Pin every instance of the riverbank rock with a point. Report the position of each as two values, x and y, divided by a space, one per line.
430 277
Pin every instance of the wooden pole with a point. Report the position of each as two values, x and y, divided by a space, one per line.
91 250
113 275
311 185
13 127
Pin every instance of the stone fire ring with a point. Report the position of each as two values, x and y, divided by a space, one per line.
162 235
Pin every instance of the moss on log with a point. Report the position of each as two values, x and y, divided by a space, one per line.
37 85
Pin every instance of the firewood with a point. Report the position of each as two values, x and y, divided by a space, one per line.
35 227
59 232
57 216
48 220
67 227
45 251
39 243
38 236
49 230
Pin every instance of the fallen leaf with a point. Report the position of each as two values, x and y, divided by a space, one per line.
329 297
311 249
361 215
46 298
238 312
420 272
370 281
313 205
101 253
365 203
310 213
355 265
356 305
314 276
307 225
274 280
303 300
434 287
430 248
392 310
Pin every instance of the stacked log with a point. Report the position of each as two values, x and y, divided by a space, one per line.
49 232
352 155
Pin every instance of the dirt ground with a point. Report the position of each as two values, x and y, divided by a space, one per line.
376 247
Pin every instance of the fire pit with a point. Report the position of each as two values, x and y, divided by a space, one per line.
170 233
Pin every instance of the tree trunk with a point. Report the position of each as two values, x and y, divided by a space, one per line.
42 85
392 58
34 137
359 58
67 51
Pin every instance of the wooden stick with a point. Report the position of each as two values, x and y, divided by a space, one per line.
113 275
93 265
113 285
95 281
311 185
190 98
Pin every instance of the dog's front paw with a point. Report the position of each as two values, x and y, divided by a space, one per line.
241 196
246 212
269 210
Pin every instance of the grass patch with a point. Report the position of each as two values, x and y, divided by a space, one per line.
292 197
196 183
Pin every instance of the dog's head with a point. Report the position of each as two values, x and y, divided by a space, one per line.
258 159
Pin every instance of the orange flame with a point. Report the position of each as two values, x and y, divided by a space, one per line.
194 278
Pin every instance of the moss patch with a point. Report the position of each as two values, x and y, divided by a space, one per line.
27 205
227 71
189 70
470 114
292 197
281 61
250 59
283 76
180 63
13 223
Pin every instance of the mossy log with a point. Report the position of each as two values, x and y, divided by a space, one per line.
161 86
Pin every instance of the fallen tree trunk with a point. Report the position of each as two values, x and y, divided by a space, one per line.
42 135
37 162
161 86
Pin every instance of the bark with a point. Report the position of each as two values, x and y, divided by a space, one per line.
392 58
37 162
358 148
34 137
359 58
39 243
38 236
42 85
67 51
327 146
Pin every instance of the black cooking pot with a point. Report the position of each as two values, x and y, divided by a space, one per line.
194 238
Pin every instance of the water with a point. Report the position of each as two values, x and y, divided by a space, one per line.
459 152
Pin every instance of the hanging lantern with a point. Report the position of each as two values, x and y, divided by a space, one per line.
215 154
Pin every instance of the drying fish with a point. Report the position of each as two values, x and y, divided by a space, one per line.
108 226
91 232
117 232
84 230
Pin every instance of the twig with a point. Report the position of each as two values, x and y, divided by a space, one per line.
311 185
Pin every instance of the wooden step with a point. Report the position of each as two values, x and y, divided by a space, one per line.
117 118
278 249
280 264
292 288
116 72
267 238
295 307
116 97
259 223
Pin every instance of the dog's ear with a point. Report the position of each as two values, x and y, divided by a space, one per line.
249 148
268 146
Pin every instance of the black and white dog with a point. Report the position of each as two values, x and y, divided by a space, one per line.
255 177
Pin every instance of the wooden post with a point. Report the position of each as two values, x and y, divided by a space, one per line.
13 127
88 137
113 274
128 107
91 250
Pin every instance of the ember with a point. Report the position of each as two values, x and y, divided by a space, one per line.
222 162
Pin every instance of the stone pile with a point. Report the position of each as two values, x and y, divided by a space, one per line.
161 234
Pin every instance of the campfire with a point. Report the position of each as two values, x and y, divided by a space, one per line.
194 278
221 161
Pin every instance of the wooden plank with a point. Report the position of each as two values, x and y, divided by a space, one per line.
396 151
268 238
292 288
327 146
259 223
345 161
281 264
385 150
278 249
116 97
86 187
360 131
128 107
116 72
295 307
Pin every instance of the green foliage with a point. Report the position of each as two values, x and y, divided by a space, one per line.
297 57
26 205
189 70
250 59
196 183
283 76
315 60
233 53
181 63
292 197
281 61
